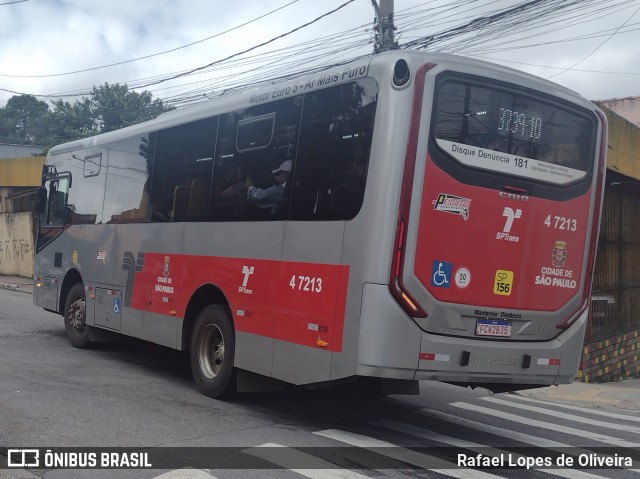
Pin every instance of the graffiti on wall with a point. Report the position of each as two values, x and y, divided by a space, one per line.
17 249
16 244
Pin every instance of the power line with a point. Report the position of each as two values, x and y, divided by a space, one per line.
536 25
333 47
165 78
252 48
597 48
151 55
558 68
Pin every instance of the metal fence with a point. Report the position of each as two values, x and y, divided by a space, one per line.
615 298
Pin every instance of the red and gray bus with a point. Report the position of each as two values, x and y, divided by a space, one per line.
438 221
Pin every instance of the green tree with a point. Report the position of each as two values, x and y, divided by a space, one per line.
23 119
70 121
114 107
109 107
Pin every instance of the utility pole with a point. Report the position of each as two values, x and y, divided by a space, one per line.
384 27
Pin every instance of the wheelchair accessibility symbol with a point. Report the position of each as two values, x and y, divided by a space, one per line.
441 274
116 306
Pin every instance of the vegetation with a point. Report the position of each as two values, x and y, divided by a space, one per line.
27 120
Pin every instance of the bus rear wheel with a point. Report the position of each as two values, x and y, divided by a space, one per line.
212 352
75 317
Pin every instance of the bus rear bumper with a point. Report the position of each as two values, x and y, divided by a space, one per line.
391 345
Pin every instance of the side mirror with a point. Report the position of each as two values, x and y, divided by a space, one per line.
41 200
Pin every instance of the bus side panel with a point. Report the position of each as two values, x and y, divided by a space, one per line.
369 237
301 312
129 252
389 341
81 248
248 284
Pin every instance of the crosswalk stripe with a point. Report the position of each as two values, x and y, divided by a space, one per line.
610 440
597 412
322 469
498 431
432 463
185 474
473 446
507 433
557 414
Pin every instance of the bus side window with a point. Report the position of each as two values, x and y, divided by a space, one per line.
183 166
335 143
128 171
252 145
54 214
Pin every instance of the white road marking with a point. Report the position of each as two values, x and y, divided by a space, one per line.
432 463
473 446
509 434
598 412
557 414
321 469
610 440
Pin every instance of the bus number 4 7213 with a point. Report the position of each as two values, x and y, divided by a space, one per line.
306 283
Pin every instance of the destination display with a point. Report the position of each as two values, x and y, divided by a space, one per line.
512 132
510 164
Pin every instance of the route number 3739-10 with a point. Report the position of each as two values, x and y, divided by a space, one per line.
311 284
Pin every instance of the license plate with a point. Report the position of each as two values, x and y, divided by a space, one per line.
493 327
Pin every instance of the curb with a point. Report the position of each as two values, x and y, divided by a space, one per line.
15 287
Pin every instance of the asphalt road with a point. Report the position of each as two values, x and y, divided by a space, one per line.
134 394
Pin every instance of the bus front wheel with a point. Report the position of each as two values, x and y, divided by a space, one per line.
212 352
75 317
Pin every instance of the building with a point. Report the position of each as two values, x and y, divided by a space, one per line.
612 343
628 108
11 150
19 178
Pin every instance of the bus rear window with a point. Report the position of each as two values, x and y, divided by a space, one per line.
511 132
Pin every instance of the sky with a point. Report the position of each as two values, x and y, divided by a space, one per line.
592 46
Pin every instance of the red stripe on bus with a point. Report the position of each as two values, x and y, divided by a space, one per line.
274 299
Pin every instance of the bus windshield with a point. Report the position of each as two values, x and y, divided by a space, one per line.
513 132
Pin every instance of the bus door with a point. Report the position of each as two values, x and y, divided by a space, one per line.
52 209
504 200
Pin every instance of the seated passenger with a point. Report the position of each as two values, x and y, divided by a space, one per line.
269 198
237 191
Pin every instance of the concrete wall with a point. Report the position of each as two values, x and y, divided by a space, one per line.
16 244
624 144
628 108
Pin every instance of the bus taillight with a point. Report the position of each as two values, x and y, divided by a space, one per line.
411 307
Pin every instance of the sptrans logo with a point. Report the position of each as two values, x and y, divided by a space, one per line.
510 214
246 272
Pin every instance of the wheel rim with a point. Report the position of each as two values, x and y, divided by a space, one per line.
77 315
211 351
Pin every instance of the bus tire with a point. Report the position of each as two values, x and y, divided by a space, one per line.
212 352
75 317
